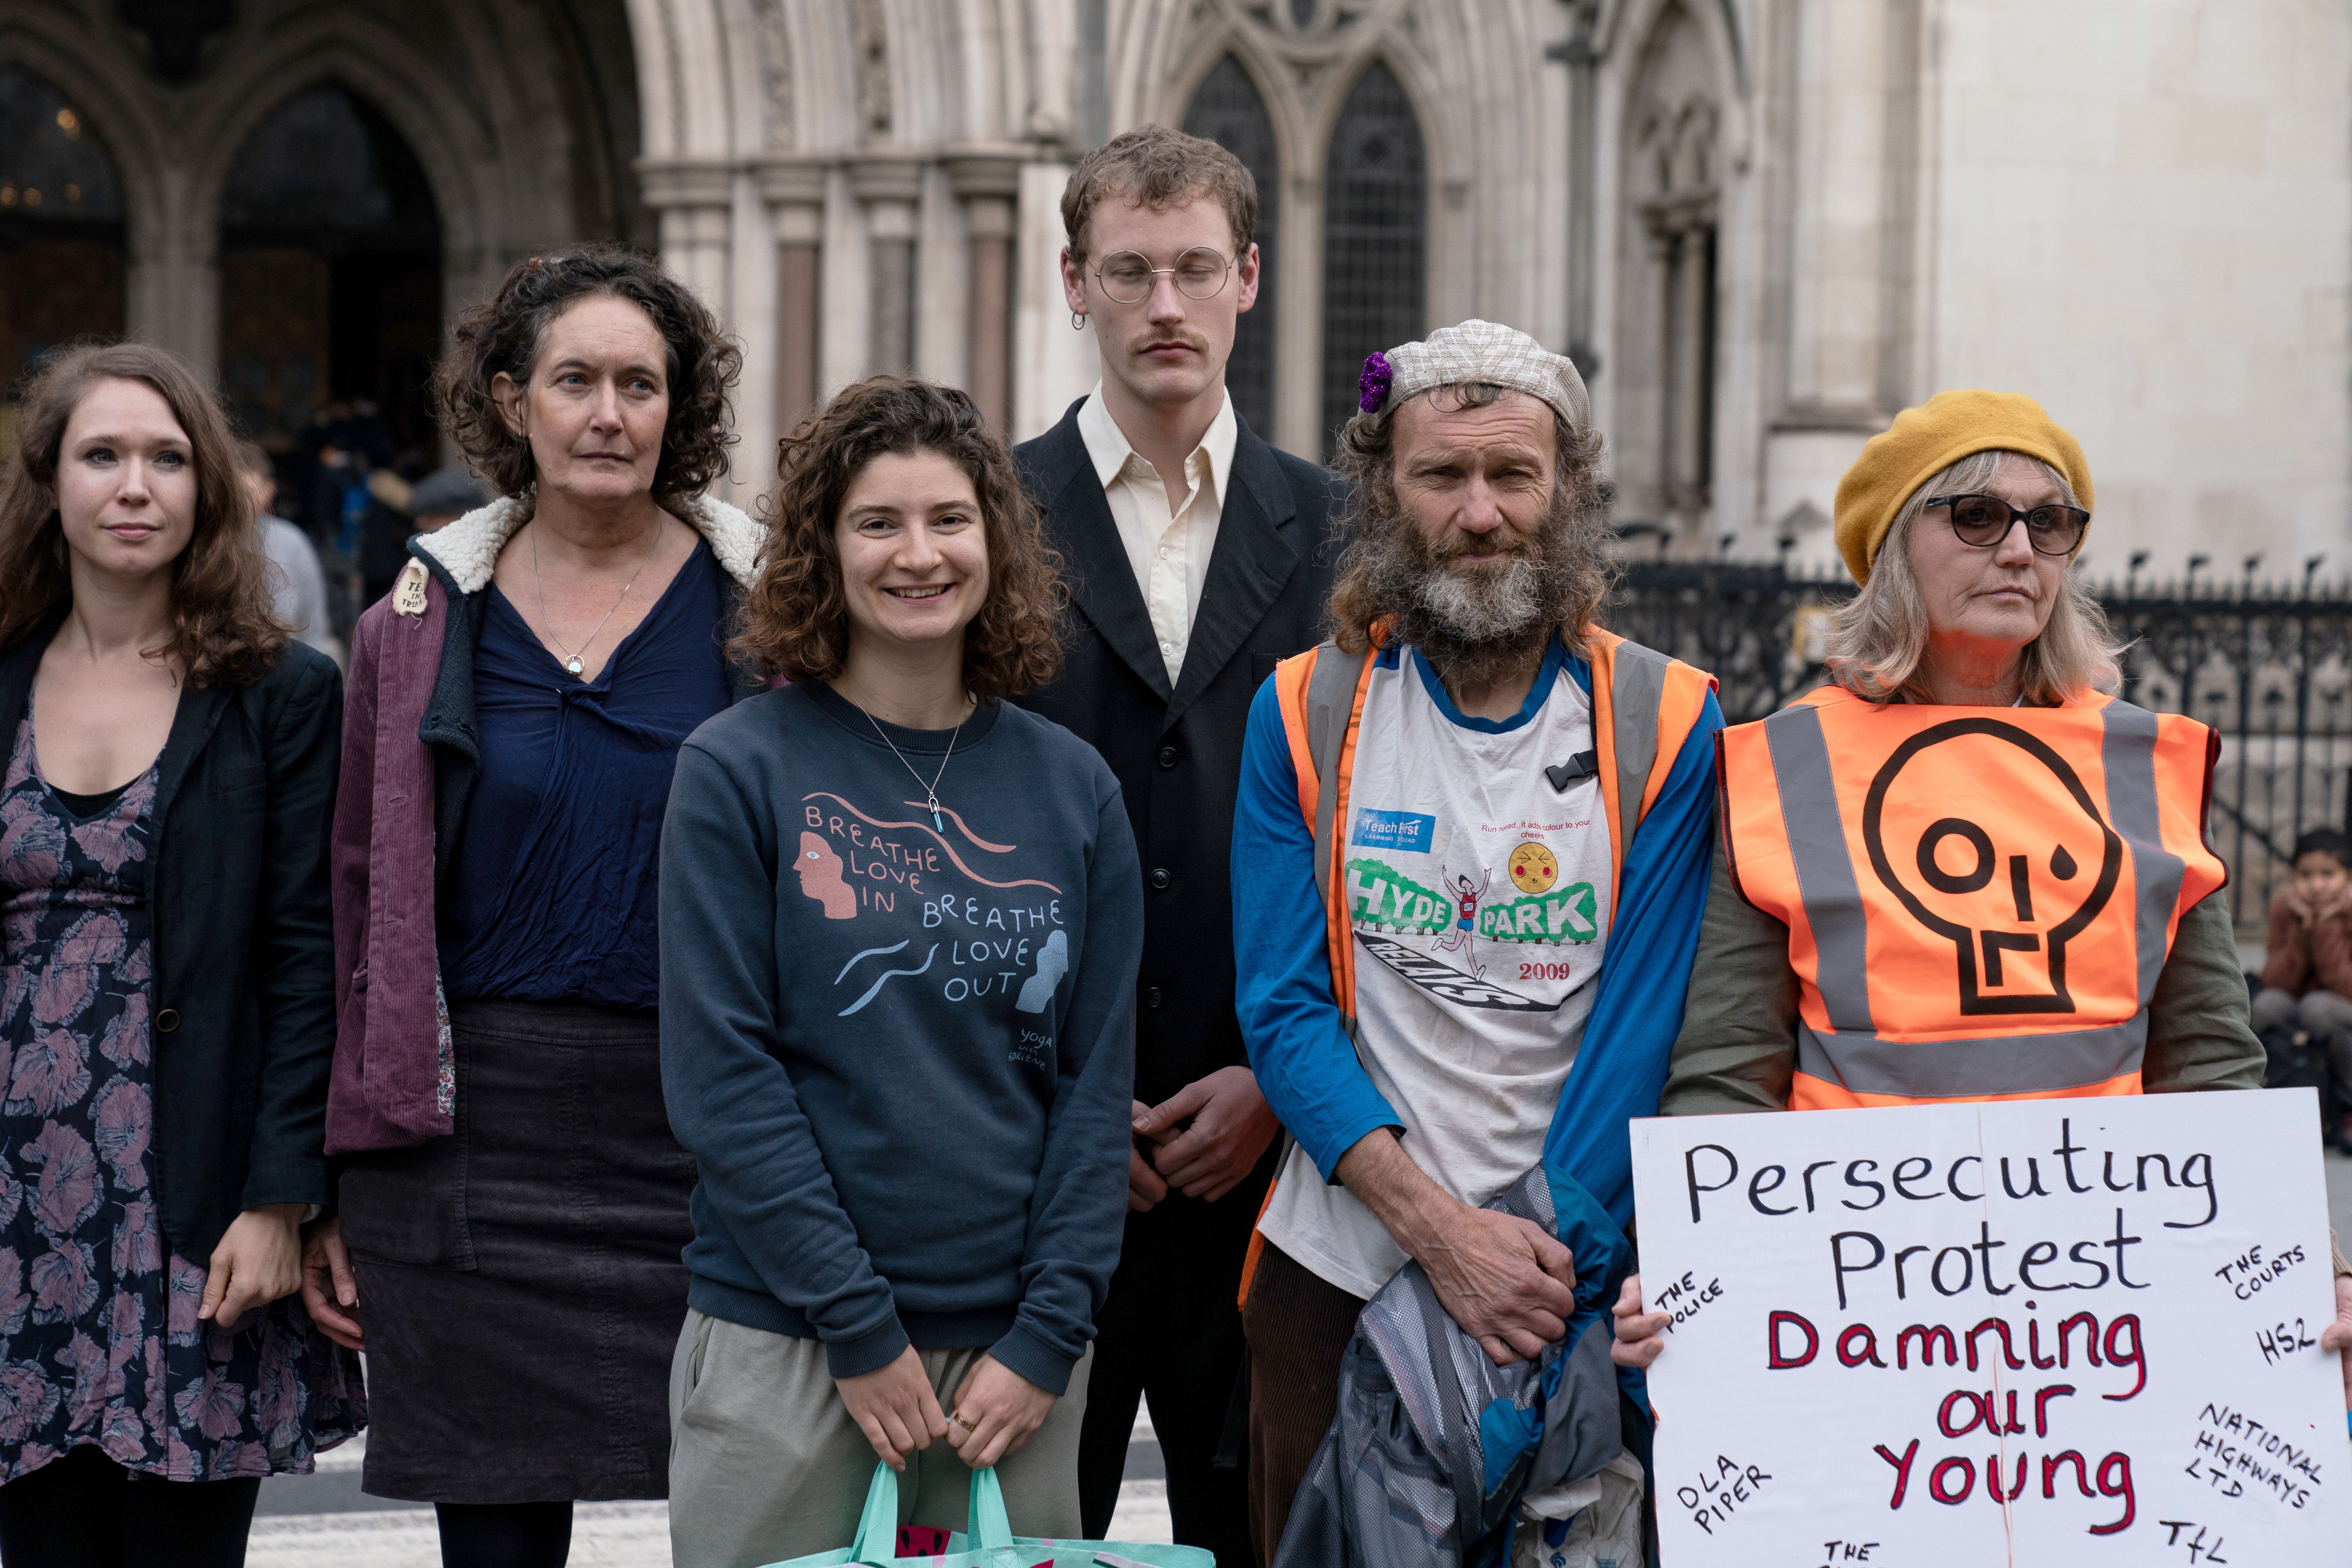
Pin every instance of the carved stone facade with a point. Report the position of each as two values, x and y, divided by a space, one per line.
1762 226
522 118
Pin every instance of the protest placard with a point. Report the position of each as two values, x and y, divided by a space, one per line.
2027 1333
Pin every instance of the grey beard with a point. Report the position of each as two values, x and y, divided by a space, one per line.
1486 606
1479 625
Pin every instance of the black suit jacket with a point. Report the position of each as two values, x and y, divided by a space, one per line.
1178 754
244 1025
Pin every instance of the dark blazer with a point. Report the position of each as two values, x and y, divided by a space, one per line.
244 1025
1178 754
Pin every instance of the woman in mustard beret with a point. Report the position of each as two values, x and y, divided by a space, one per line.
1943 806
1965 838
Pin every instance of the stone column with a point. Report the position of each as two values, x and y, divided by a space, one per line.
172 272
889 188
1583 62
1052 366
987 186
794 190
692 197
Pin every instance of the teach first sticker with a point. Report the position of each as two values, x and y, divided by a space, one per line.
2046 1332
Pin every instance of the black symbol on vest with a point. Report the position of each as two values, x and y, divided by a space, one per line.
1582 765
1954 841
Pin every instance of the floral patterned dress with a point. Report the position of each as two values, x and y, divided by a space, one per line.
99 1337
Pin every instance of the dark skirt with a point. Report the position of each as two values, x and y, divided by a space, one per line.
520 1280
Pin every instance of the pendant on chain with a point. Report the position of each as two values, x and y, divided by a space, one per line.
574 666
931 790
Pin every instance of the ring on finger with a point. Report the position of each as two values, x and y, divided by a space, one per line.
960 1419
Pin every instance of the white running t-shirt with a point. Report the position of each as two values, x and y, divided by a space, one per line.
1478 894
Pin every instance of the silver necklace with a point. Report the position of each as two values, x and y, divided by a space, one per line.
572 660
931 790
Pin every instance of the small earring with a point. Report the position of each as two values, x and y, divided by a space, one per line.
1077 322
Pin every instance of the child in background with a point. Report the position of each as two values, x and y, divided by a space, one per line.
2308 978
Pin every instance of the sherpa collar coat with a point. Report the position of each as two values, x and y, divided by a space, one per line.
410 759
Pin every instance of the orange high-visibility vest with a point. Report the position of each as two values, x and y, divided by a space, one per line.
1644 706
1978 900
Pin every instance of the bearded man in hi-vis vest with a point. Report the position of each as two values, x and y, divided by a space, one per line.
1470 859
1962 871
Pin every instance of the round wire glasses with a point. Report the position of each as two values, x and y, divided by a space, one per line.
1128 277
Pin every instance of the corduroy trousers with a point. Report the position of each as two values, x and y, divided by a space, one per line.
1299 1325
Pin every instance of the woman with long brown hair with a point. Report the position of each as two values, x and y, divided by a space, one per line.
900 925
166 983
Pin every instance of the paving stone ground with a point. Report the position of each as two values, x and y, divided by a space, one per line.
324 1521
308 1522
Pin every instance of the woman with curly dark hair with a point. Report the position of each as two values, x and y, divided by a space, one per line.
900 925
166 983
511 1202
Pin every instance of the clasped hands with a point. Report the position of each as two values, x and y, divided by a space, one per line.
996 1410
1507 1282
1202 1140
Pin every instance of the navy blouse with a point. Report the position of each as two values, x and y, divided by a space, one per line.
552 897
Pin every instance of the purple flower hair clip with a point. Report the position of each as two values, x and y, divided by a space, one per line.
1373 385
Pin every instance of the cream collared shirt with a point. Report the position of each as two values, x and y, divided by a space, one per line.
1168 550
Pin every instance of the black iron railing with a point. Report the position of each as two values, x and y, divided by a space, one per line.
2268 667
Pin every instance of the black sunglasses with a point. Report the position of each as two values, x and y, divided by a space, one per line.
1985 521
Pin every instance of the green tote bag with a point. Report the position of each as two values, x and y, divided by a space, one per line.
990 1543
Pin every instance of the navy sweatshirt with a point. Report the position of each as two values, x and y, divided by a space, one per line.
901 1055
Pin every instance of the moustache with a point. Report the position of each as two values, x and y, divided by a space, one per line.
1168 340
1445 552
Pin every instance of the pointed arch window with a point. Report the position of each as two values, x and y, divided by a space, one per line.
62 254
1375 236
330 290
1228 111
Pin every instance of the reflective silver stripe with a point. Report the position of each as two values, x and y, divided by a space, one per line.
1636 689
1826 879
2127 757
1975 1068
1331 701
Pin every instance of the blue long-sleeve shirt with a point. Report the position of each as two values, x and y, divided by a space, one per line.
1308 1067
901 1051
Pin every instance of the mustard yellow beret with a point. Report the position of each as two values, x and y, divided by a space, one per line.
1925 441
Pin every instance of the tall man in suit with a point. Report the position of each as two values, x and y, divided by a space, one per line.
1197 556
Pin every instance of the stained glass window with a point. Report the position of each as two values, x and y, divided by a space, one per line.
1228 111
1375 236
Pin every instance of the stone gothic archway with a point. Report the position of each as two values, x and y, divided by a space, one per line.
1669 310
63 252
330 311
1470 78
516 113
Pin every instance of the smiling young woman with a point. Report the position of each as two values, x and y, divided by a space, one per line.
901 924
166 983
